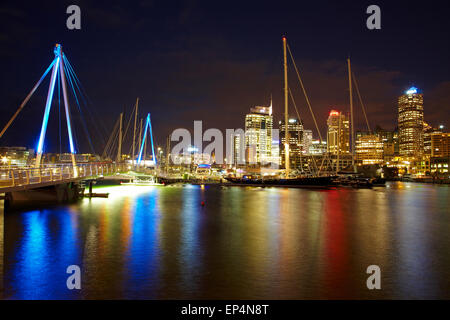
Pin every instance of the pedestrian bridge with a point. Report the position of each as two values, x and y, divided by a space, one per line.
25 178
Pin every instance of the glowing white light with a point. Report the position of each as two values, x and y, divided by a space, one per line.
412 90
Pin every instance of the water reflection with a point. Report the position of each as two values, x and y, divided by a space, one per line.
236 243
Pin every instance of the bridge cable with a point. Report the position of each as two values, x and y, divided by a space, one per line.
26 99
86 99
86 131
59 115
73 80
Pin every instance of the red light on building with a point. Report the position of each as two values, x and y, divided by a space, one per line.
334 113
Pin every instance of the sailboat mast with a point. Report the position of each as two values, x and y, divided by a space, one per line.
338 143
134 131
351 112
140 133
286 117
119 149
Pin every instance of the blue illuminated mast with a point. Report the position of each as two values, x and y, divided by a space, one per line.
148 125
58 65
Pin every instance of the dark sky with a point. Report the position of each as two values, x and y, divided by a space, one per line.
213 60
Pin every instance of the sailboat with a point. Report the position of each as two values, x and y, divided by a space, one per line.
298 181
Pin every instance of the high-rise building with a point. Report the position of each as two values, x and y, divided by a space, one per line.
258 135
428 131
369 149
295 131
338 134
238 154
410 124
440 145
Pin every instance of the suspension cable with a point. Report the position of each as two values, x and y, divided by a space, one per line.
26 99
86 131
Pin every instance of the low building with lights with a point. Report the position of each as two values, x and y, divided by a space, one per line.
428 131
317 147
369 150
440 145
439 166
15 156
440 154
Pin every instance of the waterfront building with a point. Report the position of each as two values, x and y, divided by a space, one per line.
440 166
410 124
338 133
428 131
67 157
390 143
15 156
317 148
440 145
258 135
295 131
389 140
276 152
307 140
369 149
238 149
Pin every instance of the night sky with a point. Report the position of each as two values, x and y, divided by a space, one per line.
213 60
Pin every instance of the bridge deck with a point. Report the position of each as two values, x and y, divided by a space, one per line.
17 179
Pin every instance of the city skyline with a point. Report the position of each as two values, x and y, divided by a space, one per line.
199 151
239 69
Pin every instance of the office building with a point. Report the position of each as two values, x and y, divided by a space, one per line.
338 133
258 135
410 124
369 149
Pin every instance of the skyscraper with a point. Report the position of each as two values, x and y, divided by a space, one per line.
295 130
338 134
258 135
410 124
238 149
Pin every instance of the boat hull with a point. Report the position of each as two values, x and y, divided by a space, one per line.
295 182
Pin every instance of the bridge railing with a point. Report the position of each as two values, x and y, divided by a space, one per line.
23 176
